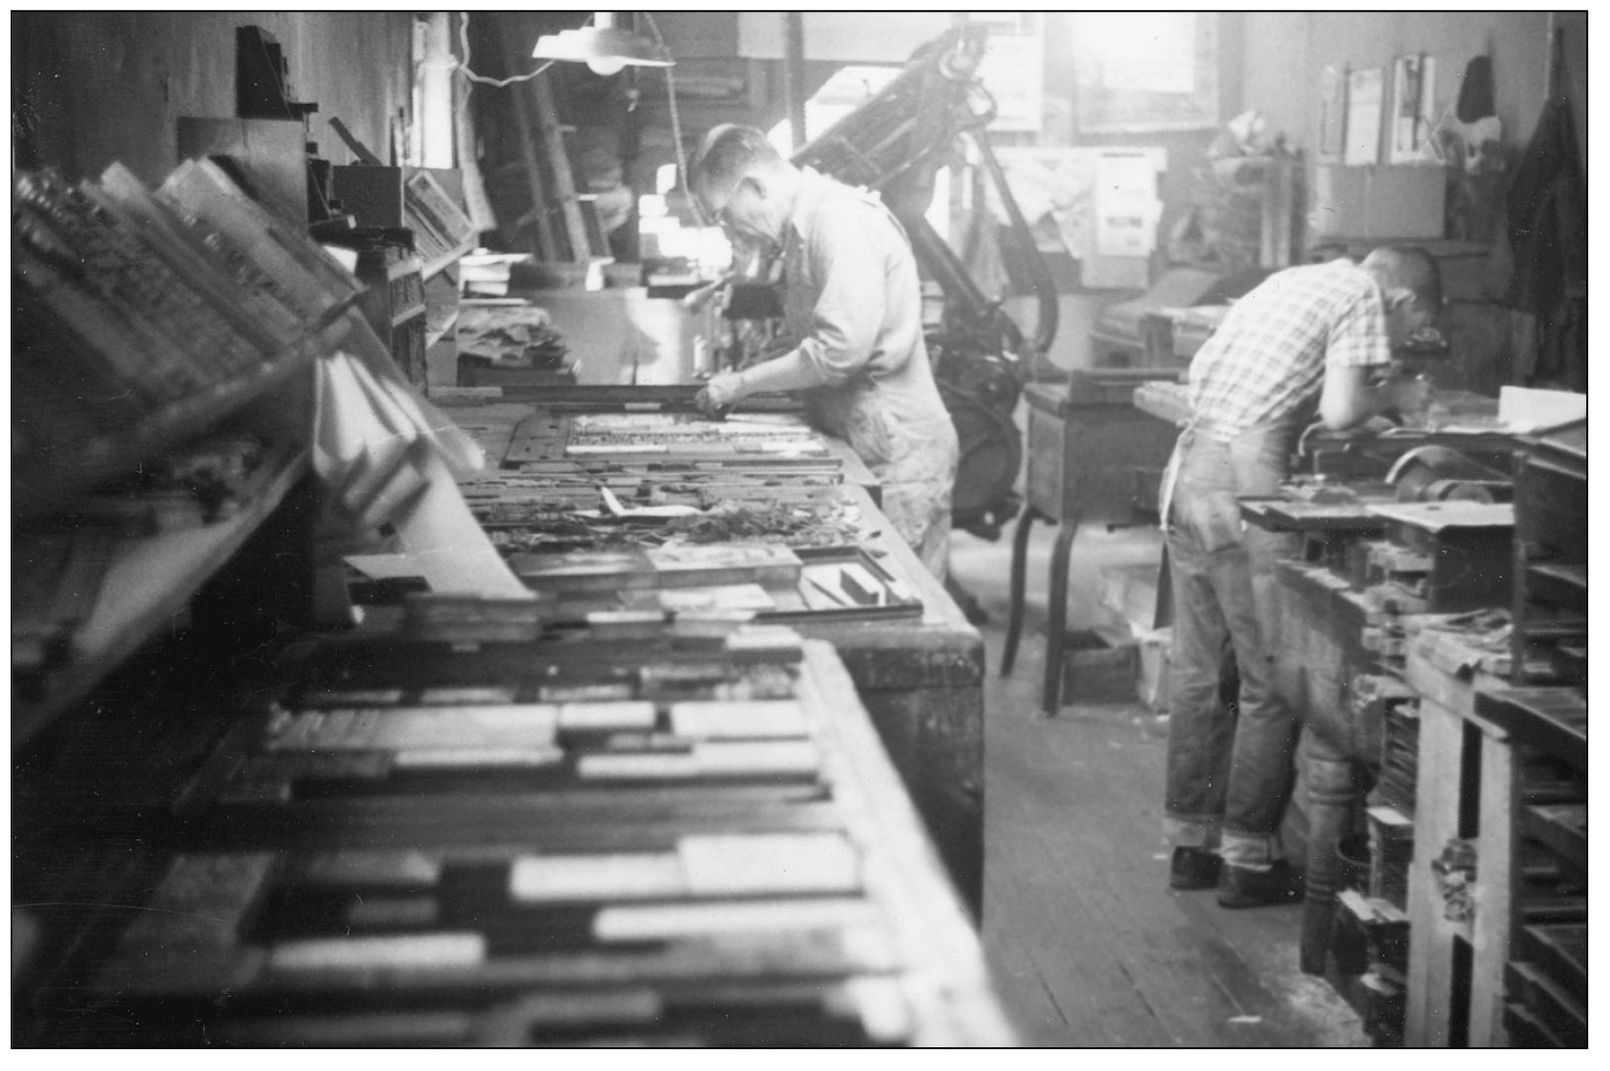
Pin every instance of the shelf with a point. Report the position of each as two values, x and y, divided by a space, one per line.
404 267
53 478
439 320
149 581
446 260
1560 585
410 313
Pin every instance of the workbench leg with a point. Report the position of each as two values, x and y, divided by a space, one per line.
1014 620
1056 629
1428 1017
1330 802
1495 890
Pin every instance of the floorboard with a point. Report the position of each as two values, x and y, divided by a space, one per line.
1088 945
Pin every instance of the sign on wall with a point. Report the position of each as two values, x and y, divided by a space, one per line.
1365 93
1143 71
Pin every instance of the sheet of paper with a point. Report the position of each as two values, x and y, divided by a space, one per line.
1366 92
360 421
1528 407
1127 206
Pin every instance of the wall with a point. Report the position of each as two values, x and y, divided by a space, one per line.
1287 50
1185 148
107 86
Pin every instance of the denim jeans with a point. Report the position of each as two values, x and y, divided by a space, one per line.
1229 771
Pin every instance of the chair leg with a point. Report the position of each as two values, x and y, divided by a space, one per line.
1056 638
1014 622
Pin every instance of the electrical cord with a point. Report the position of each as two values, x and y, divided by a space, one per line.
462 67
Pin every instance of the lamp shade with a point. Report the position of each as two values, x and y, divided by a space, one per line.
602 48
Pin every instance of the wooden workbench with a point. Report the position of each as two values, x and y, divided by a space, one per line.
921 679
1092 457
454 856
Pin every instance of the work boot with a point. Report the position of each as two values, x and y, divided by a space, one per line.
1241 887
1193 868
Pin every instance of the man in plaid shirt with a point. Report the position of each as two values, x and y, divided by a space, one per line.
1316 332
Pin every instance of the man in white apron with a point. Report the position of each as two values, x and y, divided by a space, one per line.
1310 332
853 298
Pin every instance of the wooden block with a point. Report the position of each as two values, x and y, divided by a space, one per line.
476 758
607 716
393 913
413 1028
429 951
705 564
365 868
432 616
626 624
747 759
351 697
601 876
477 695
773 640
525 727
659 922
585 694
730 604
739 720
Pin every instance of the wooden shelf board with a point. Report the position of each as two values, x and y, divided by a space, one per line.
436 331
448 259
407 314
150 581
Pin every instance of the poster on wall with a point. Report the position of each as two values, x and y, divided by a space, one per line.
1365 92
1100 205
1414 81
1142 71
1332 113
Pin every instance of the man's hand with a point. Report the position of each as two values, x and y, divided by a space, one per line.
721 391
719 291
1408 395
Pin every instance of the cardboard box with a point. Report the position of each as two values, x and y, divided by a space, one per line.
1379 202
1151 668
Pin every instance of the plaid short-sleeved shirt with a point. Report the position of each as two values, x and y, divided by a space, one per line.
1268 357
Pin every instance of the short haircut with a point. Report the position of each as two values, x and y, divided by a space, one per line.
728 152
1409 267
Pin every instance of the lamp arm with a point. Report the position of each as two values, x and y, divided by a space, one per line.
676 124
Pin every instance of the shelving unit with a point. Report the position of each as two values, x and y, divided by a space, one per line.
1458 946
423 200
1546 715
53 477
147 584
248 305
442 295
144 318
1551 558
394 304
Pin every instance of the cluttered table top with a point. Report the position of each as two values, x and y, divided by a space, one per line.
558 482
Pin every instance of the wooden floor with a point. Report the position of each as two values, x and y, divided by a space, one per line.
1088 945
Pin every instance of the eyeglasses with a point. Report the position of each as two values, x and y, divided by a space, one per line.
723 215
1412 302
